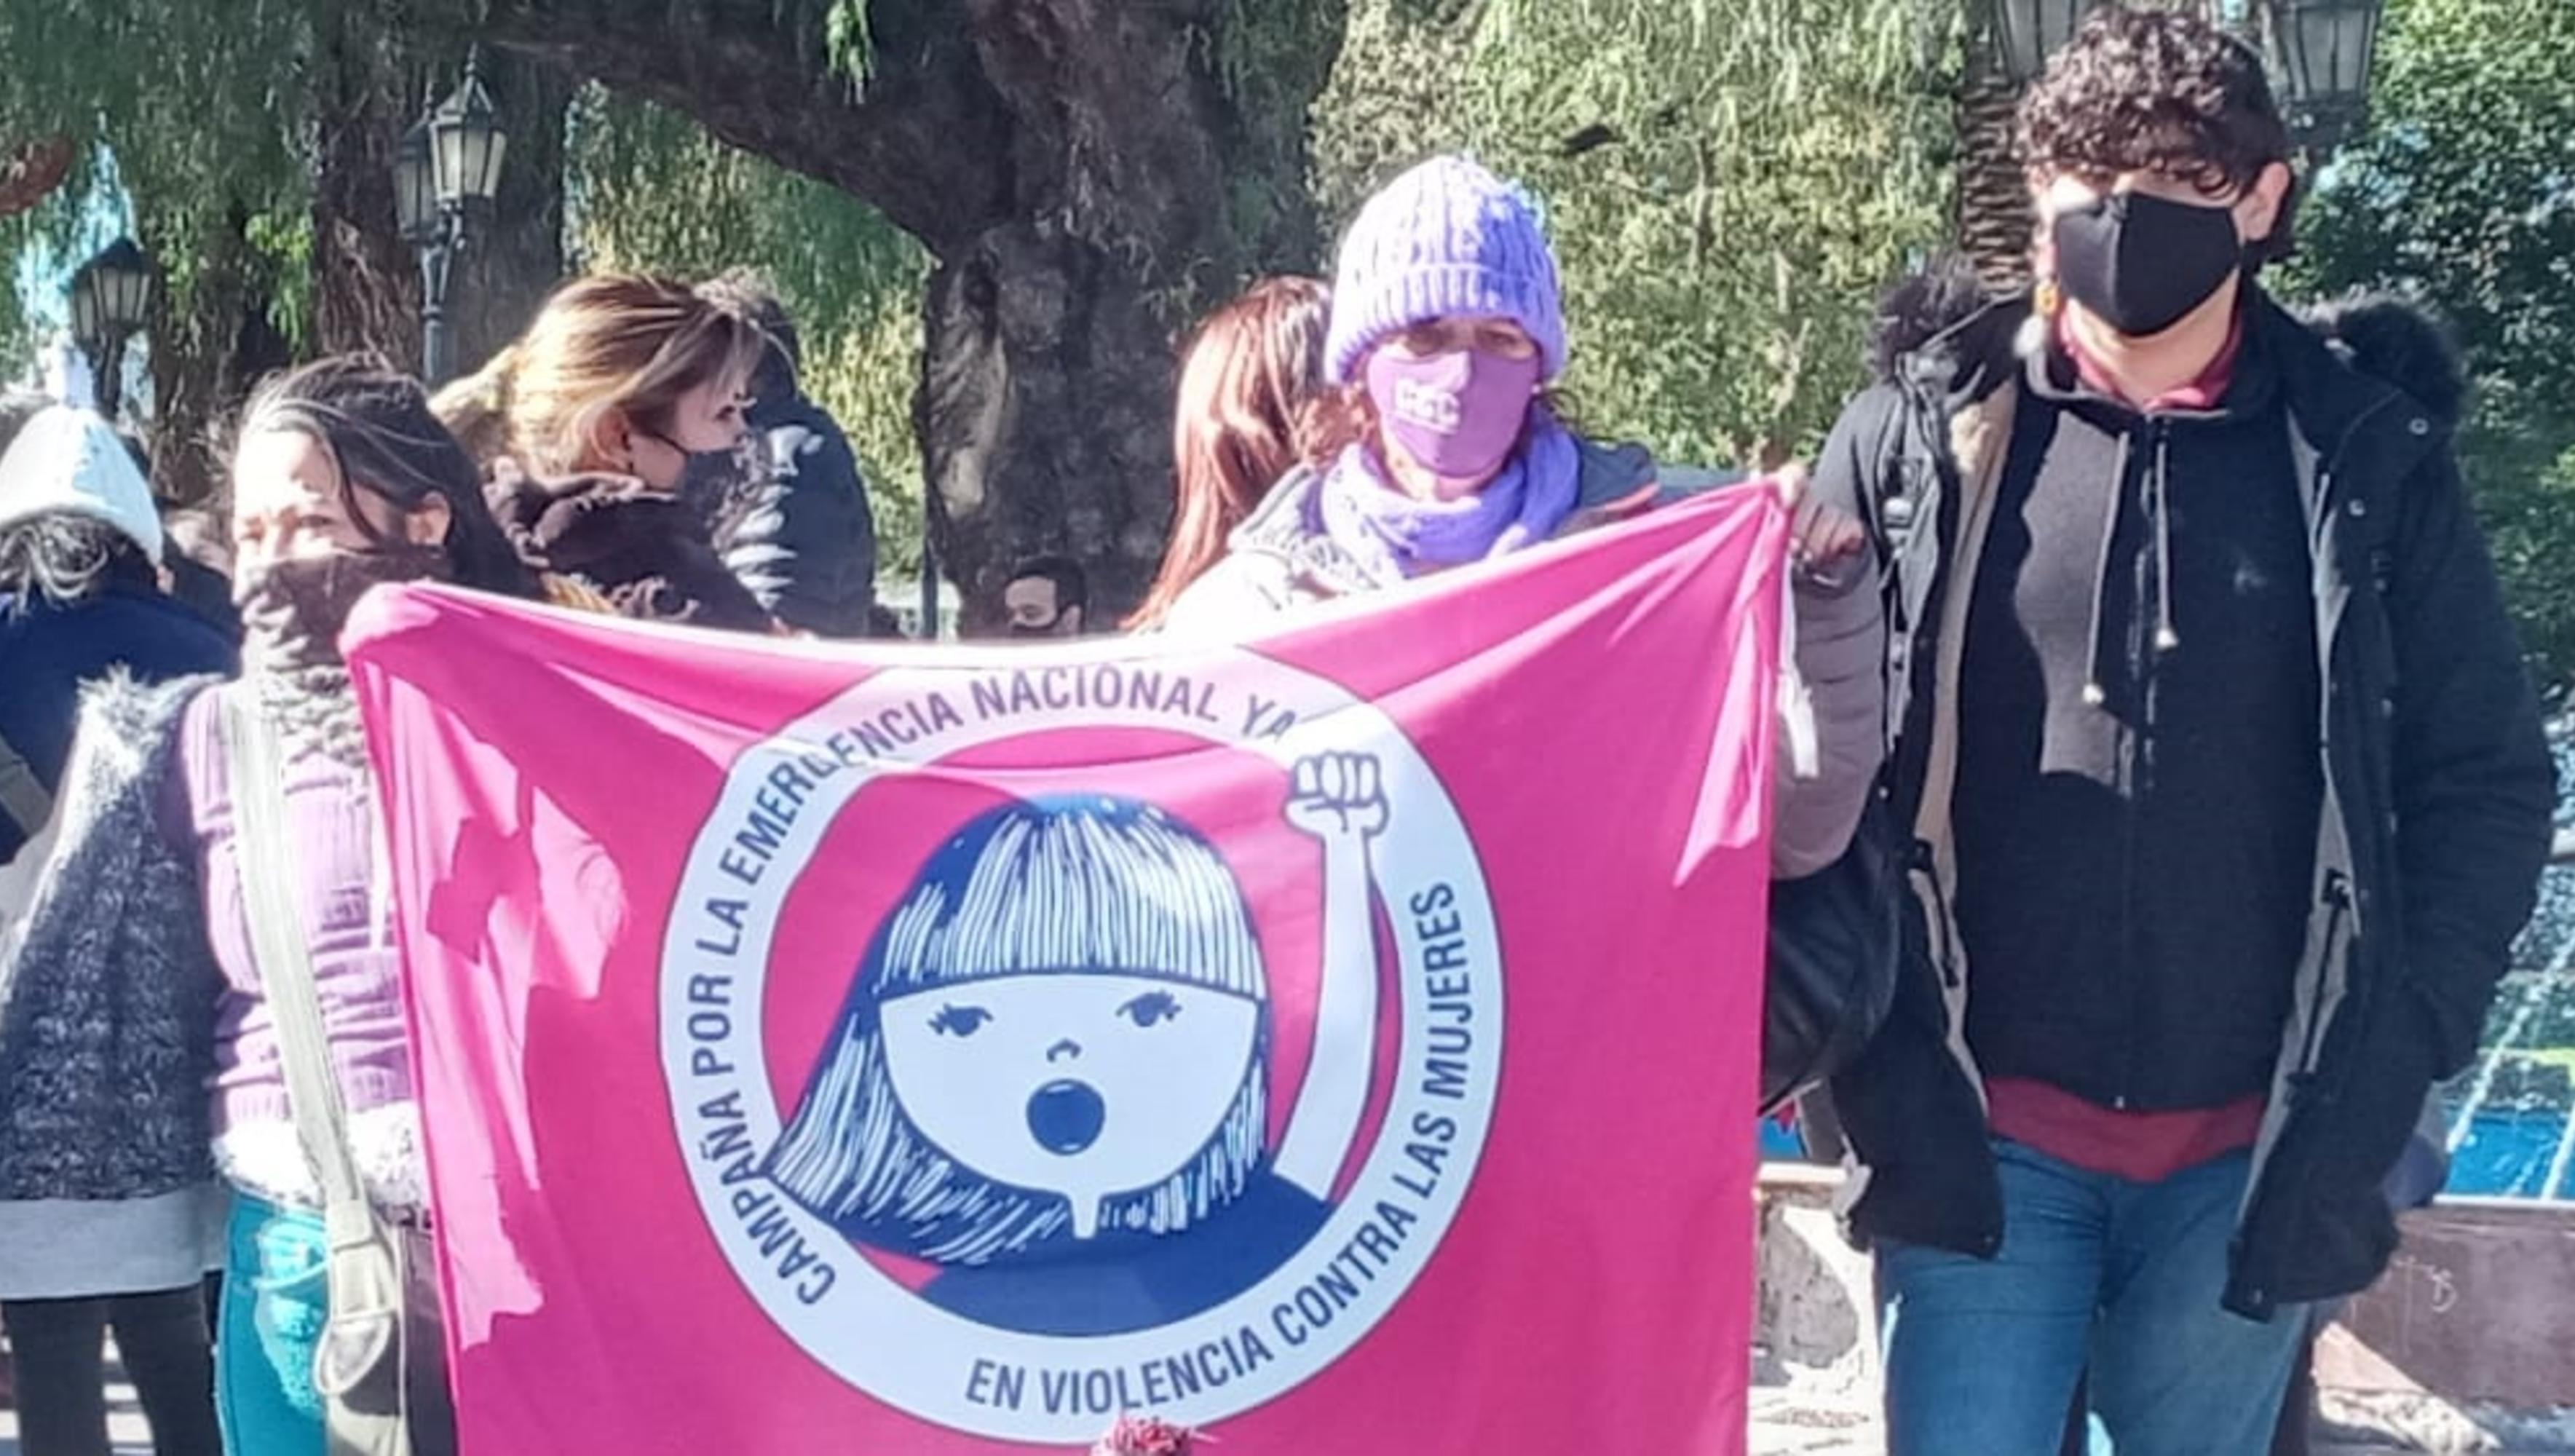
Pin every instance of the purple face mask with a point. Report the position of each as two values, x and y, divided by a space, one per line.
1458 413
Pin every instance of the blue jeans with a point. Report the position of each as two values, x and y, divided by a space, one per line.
2096 1274
276 1301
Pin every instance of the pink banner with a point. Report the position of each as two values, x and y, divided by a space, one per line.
1341 1042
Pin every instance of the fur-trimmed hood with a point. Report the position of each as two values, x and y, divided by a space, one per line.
641 550
2400 342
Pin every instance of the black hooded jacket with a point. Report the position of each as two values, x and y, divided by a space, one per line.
2434 787
789 510
2137 783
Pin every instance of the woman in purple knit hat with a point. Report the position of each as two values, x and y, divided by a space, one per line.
1435 443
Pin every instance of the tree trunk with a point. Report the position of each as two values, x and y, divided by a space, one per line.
1045 406
366 288
1045 418
1993 195
1086 186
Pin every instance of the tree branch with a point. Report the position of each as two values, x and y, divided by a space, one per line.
927 142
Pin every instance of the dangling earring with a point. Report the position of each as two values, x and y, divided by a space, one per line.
2047 298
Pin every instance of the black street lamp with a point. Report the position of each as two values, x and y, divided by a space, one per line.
2027 32
2321 52
111 300
467 142
416 189
446 174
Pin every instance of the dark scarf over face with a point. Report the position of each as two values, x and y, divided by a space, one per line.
291 615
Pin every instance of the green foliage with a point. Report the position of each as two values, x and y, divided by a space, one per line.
1728 187
284 243
198 100
652 191
1271 57
2462 193
848 39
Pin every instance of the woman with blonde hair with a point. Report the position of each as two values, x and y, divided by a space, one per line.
1250 371
586 426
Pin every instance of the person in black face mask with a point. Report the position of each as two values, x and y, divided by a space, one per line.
342 480
587 428
2226 784
1048 595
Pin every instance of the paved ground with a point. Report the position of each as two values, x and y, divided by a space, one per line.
124 1418
1789 1425
124 1422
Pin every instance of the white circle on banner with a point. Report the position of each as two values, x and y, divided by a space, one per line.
1287 1325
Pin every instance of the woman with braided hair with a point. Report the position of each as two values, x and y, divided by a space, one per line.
342 479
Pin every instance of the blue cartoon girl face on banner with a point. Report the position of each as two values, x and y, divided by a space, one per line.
1087 1084
1054 1064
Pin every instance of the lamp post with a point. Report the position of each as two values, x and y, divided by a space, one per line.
446 174
425 228
2321 53
111 299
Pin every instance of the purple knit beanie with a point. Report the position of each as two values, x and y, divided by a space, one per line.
1447 238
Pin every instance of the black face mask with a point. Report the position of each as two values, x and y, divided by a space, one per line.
292 611
2140 264
703 474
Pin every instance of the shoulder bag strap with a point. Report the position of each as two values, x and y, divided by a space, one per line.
265 854
365 1278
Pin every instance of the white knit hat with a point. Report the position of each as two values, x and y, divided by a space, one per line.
70 459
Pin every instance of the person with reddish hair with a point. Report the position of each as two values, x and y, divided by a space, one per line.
1252 370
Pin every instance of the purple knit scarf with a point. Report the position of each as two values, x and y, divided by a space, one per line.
1395 534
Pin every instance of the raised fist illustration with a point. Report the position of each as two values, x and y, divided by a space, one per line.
1337 796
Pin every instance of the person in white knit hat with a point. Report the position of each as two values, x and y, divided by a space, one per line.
80 598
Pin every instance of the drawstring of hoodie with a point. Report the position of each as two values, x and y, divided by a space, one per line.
2158 512
2159 506
2119 495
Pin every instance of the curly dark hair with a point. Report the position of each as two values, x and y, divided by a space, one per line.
2165 91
